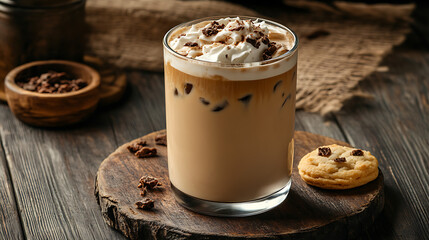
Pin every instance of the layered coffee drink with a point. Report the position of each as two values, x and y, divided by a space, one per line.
230 87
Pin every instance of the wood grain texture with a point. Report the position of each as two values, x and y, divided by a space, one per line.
10 226
53 176
306 213
395 127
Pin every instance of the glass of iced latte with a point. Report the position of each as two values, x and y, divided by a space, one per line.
230 85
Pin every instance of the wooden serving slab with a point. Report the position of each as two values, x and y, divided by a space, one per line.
307 213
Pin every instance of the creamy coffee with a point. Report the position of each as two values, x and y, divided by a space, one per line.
230 103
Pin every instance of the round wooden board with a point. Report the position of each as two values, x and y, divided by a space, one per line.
113 81
307 213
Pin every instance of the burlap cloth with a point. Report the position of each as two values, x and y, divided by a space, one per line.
340 43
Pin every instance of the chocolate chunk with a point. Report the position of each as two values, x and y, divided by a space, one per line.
146 152
161 139
317 34
213 29
188 88
176 92
340 159
287 98
325 151
276 85
146 204
226 55
136 146
191 44
357 152
220 107
264 39
204 101
283 94
254 43
245 99
149 182
181 35
269 52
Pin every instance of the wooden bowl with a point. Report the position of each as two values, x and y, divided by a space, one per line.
52 110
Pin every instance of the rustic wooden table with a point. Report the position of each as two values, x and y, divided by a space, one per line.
47 176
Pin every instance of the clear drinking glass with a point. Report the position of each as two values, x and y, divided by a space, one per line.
230 129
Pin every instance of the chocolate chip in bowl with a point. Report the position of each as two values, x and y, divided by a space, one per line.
52 93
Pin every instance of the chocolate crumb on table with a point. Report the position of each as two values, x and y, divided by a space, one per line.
357 152
136 146
324 152
338 160
149 182
145 204
146 152
161 139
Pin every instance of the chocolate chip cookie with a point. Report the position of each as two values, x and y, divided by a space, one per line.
338 167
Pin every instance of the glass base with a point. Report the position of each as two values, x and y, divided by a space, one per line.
241 209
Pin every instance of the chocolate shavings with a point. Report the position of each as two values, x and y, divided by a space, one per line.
213 29
191 44
254 42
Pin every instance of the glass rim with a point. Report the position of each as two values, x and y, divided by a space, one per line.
287 54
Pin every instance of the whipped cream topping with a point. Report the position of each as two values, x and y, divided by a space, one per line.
228 40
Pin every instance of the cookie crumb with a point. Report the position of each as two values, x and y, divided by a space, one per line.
145 204
325 152
357 152
161 139
149 182
145 152
135 147
342 159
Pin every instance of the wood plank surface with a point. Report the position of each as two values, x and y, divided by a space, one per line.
395 127
10 226
53 176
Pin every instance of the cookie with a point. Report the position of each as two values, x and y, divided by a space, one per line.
338 167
